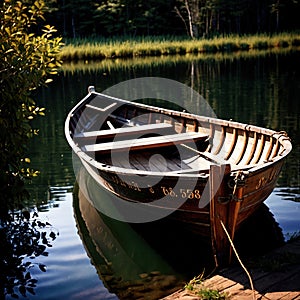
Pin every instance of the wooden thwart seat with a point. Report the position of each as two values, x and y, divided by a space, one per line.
157 128
147 143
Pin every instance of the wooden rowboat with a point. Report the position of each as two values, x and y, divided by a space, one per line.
207 173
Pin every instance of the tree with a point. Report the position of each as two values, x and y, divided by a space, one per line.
191 9
27 61
134 17
275 9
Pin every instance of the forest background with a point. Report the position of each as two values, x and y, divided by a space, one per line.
195 18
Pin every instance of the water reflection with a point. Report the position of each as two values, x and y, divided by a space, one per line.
111 65
291 194
285 206
126 264
69 273
151 260
24 239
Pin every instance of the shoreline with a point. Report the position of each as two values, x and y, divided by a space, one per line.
97 49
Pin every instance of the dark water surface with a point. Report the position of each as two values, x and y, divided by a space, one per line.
149 260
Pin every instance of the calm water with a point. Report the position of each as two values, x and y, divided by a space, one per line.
262 90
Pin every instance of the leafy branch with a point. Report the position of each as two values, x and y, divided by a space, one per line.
28 60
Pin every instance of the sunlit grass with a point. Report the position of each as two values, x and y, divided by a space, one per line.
96 49
195 286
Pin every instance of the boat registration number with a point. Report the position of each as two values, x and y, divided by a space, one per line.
183 193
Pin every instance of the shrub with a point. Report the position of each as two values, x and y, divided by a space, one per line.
27 61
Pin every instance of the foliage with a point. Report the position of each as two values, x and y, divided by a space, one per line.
195 281
195 286
212 17
208 294
27 61
22 240
79 18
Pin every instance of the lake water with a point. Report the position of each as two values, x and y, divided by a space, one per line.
99 258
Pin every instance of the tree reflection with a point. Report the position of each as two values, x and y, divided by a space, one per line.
23 238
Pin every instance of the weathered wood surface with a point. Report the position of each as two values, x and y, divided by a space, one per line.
158 128
146 143
219 211
283 284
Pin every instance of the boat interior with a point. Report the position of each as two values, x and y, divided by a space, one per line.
141 137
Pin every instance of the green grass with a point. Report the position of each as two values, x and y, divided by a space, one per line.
97 49
195 286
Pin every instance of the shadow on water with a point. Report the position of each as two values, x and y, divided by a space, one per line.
151 260
126 264
24 239
42 257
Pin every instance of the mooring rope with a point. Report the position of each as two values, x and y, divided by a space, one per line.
239 260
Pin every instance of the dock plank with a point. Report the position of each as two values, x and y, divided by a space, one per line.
283 284
282 296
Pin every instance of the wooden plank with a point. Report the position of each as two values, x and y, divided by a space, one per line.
219 282
110 133
240 294
146 143
282 296
141 160
219 211
221 141
259 150
252 149
270 148
232 144
243 149
139 164
282 284
208 156
279 280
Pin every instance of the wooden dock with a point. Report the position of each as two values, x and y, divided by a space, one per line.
282 282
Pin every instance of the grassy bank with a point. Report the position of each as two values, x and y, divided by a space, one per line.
92 49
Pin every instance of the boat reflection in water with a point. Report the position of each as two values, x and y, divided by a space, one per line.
151 260
126 264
